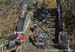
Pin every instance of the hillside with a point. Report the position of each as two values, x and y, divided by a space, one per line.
9 13
51 3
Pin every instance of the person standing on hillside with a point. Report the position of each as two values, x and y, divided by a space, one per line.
32 40
41 39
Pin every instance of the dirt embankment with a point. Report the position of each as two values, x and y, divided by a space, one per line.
9 13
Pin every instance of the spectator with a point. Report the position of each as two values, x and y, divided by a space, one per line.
41 39
31 39
10 45
35 28
35 36
32 29
11 42
21 37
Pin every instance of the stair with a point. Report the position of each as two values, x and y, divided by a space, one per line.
52 25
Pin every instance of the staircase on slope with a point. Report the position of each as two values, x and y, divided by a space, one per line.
52 26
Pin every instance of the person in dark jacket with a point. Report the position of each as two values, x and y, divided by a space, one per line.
11 42
32 29
32 40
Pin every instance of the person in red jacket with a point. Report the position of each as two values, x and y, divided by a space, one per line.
21 37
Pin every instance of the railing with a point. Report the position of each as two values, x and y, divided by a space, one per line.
2 45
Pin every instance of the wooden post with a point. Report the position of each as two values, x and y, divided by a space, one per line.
20 48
